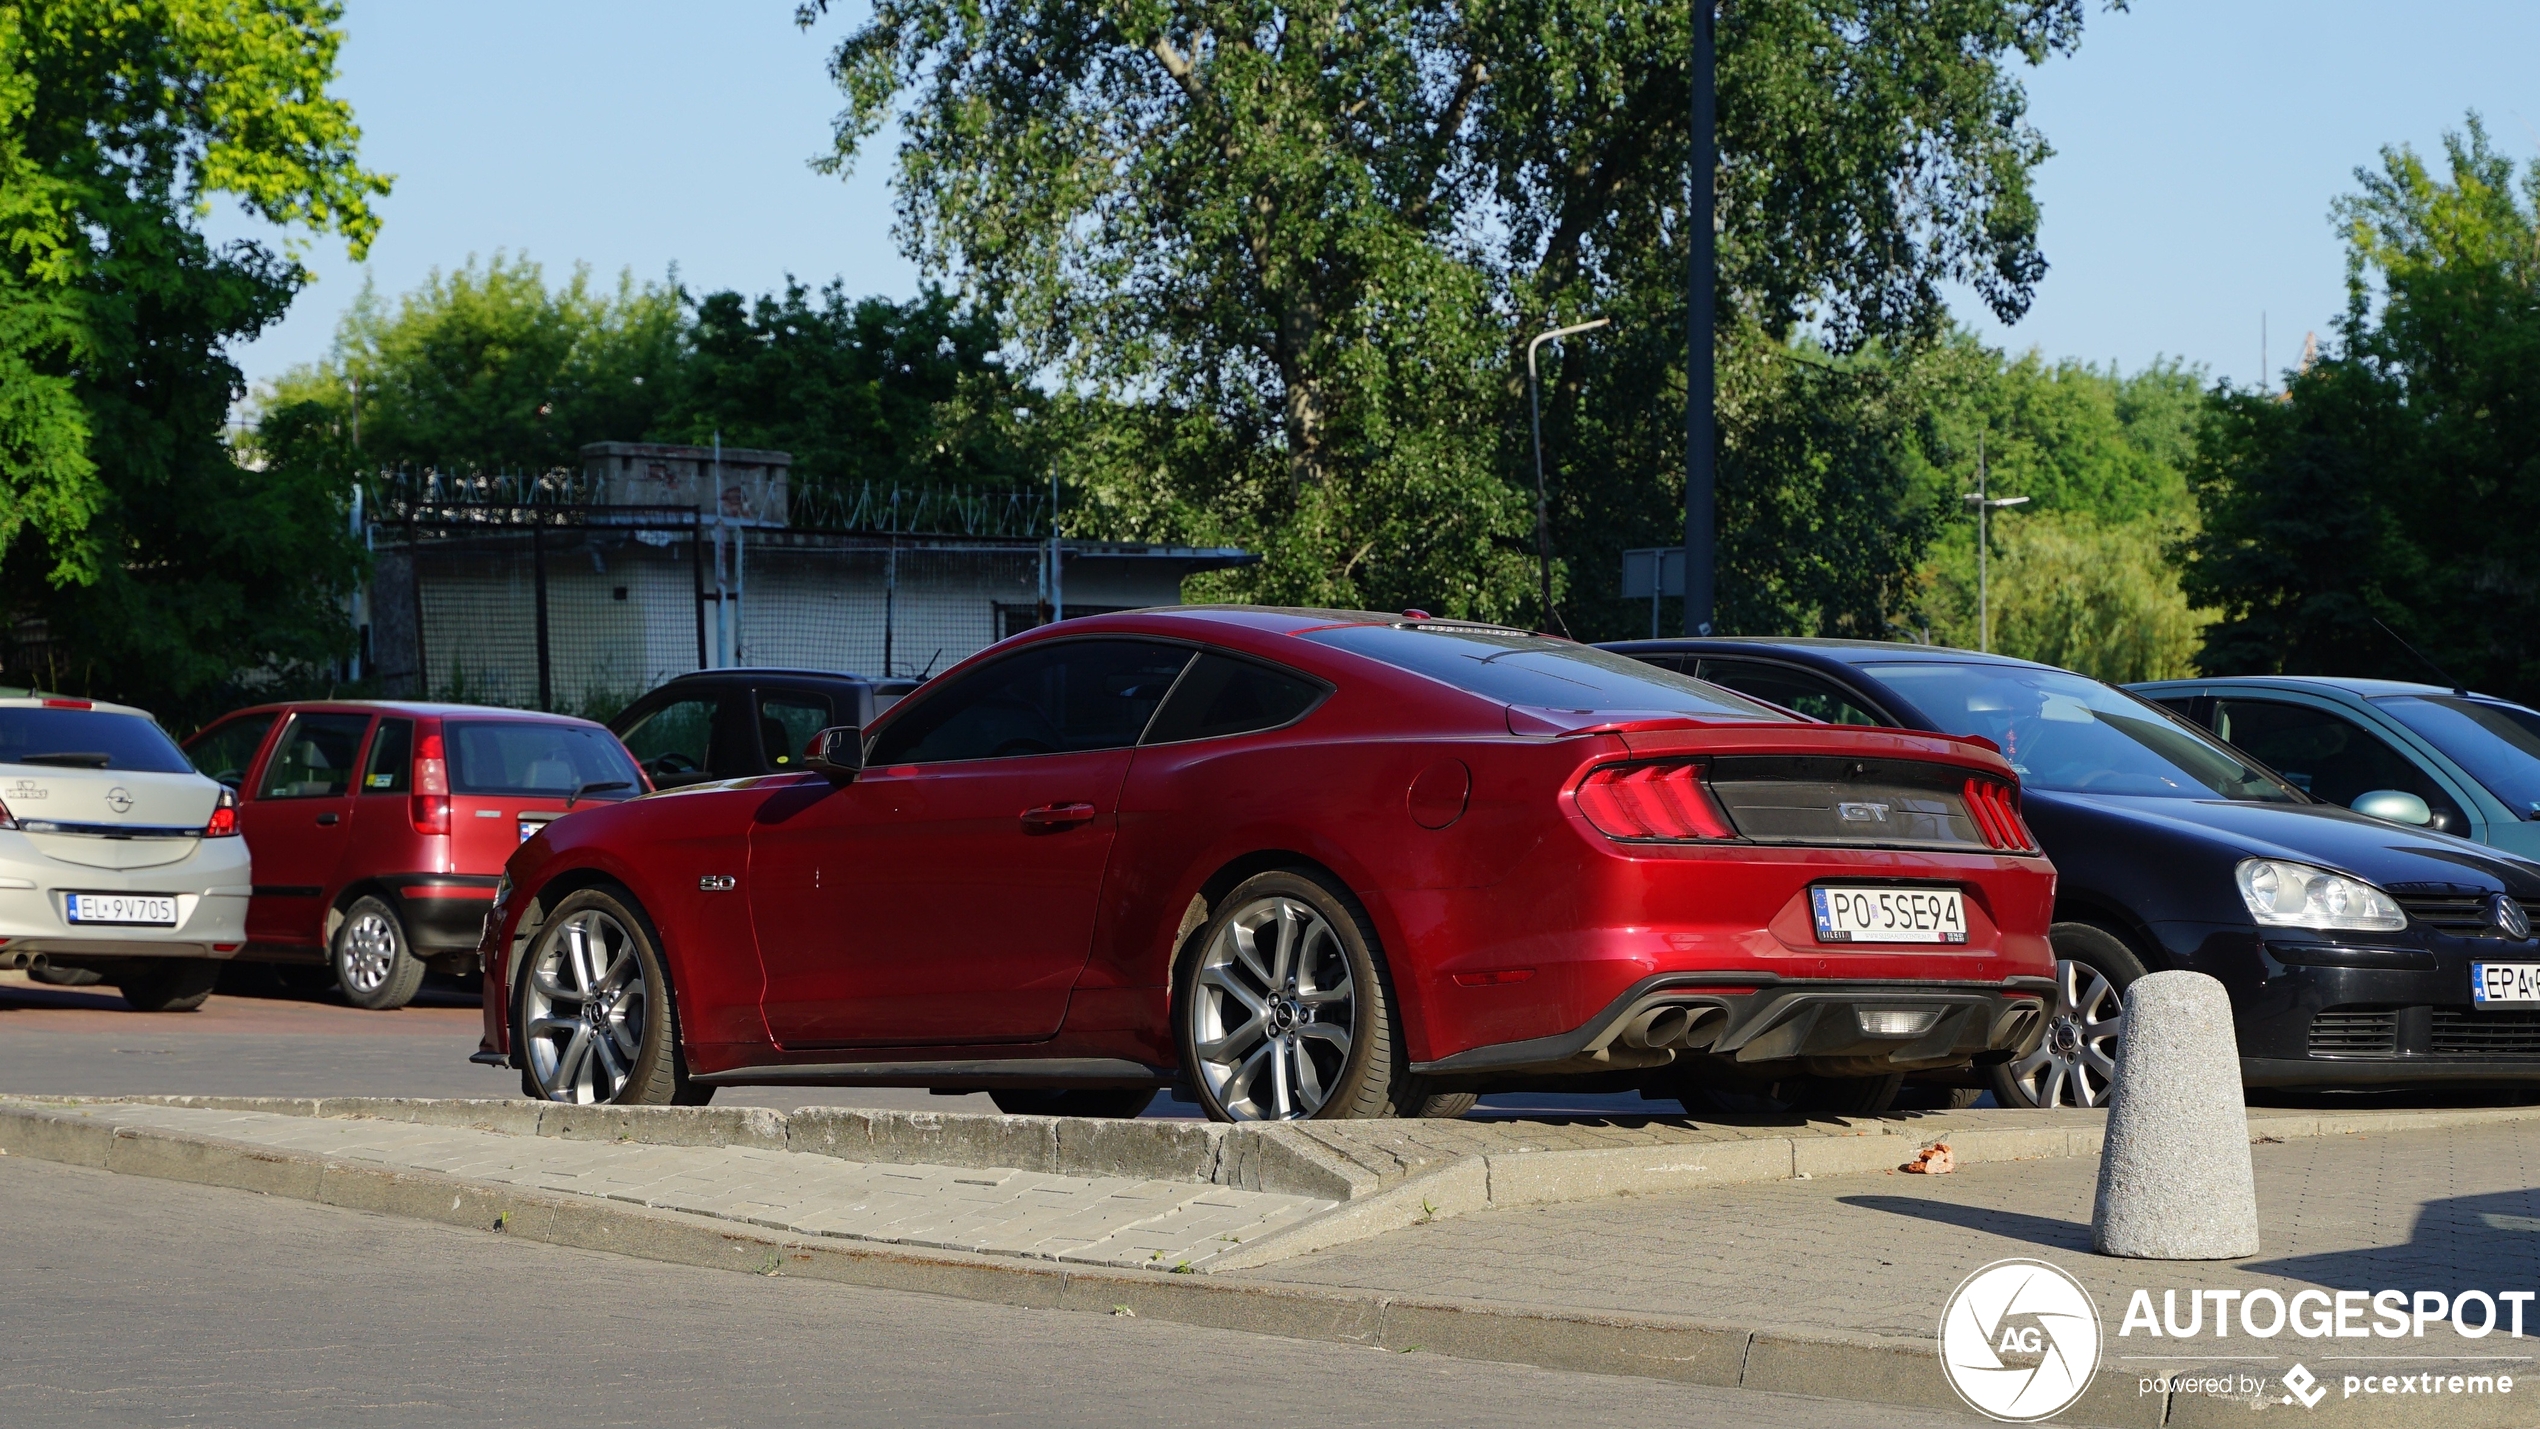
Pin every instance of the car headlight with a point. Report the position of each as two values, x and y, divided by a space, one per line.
502 892
2284 894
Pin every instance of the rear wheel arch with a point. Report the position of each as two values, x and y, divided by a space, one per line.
2117 923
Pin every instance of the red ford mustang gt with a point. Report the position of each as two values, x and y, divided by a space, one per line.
1301 863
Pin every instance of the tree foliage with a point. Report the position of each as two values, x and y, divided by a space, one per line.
2396 477
153 566
1284 259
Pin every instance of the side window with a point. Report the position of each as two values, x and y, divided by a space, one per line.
1811 695
676 739
2184 706
224 751
2329 757
1062 697
391 762
787 719
1221 696
316 757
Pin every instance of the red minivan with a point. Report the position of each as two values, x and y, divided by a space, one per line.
378 828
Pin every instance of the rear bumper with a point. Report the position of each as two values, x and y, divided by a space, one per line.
1763 1026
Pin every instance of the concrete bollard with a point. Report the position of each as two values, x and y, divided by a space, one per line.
2174 1176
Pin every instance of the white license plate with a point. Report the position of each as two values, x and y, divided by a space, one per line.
129 909
1890 915
2493 983
529 828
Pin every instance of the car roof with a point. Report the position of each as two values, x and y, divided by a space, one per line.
1848 652
2368 689
780 671
416 707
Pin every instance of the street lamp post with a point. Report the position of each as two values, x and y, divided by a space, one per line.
1534 414
1985 503
1701 539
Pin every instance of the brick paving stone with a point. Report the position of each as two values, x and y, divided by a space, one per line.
2430 1210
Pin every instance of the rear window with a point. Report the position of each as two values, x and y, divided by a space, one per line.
1519 669
88 739
522 757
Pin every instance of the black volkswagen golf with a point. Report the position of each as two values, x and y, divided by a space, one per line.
2357 952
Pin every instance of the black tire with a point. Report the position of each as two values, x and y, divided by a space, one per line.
1931 1096
1800 1096
634 995
1109 1103
167 984
2086 957
1446 1106
374 966
1371 1078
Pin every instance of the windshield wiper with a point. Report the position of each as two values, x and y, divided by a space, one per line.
597 788
67 761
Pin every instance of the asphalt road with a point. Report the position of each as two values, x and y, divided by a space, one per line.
153 1303
87 1042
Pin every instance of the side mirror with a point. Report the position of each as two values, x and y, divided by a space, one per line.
2395 806
836 753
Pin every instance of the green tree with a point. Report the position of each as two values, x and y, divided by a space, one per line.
1286 257
2397 475
867 390
154 566
484 369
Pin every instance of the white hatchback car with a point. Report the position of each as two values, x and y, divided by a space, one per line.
119 862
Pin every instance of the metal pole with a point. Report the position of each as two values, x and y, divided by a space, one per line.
1534 413
538 570
1700 381
1984 556
1058 596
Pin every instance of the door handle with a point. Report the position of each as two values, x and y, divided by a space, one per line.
329 818
1057 816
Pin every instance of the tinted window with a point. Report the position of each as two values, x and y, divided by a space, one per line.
1811 695
2328 756
678 738
2065 732
224 751
2498 744
787 719
522 757
1056 698
391 762
87 739
1221 696
1519 669
316 757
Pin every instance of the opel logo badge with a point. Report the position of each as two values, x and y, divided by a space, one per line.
119 799
2508 917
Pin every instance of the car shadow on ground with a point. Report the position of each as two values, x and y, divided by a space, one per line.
2459 1243
2043 1231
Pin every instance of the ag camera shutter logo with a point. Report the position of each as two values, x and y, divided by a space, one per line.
2019 1340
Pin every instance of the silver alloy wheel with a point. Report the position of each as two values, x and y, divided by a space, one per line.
1273 1009
584 1009
370 951
2076 1063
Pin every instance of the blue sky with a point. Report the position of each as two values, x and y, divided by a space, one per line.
2199 143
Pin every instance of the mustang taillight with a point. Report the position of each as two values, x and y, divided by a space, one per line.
430 805
223 824
1662 800
1997 814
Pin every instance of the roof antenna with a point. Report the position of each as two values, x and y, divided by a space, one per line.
2457 687
930 662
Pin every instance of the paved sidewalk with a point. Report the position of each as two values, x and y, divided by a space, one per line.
2427 1210
1087 1220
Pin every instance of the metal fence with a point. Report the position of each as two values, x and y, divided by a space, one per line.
575 609
581 609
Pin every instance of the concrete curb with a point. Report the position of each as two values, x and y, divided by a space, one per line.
1778 1359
